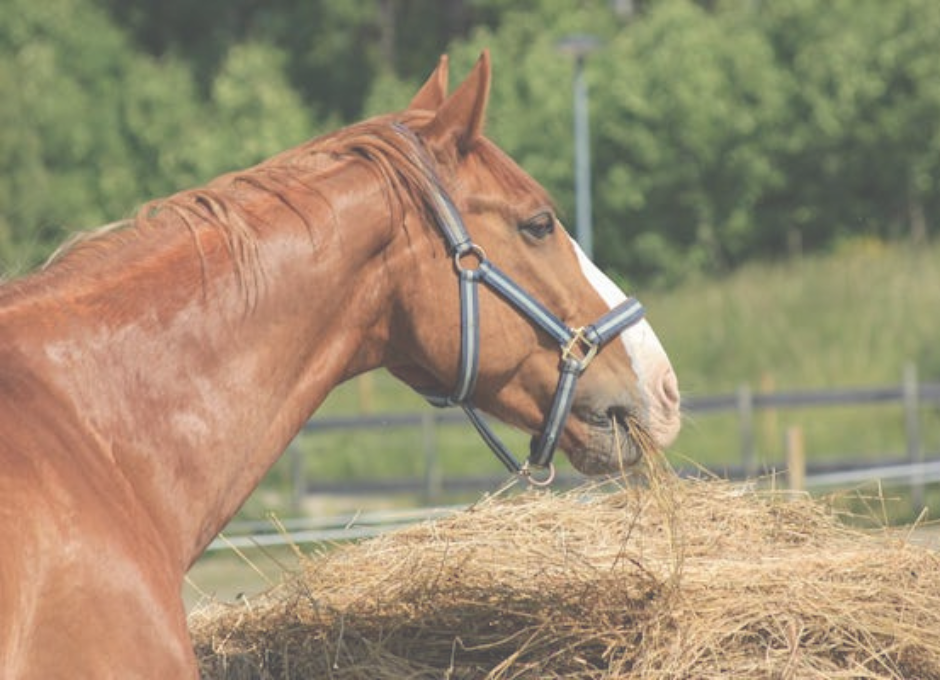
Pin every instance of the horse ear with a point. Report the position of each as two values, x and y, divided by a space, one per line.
461 115
434 91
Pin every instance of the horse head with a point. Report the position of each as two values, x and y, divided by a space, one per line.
624 403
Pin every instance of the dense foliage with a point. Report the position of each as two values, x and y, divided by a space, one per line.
722 130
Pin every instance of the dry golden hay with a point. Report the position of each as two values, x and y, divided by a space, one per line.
666 579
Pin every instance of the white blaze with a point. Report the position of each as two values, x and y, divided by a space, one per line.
645 351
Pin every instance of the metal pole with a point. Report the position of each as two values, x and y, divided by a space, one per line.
582 160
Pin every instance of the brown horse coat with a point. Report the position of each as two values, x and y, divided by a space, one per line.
153 371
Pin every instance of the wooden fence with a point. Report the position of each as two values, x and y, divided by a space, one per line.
911 394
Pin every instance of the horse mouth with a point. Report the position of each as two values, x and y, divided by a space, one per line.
616 441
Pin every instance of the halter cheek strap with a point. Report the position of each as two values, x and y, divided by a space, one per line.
578 346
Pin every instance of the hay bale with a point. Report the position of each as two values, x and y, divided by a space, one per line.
690 579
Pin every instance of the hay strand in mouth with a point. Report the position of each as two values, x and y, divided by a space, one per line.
664 579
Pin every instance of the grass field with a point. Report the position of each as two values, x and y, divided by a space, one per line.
852 318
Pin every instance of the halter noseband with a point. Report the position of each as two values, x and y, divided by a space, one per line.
578 346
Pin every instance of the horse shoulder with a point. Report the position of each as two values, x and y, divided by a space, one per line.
85 589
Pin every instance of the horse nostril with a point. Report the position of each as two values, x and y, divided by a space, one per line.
669 390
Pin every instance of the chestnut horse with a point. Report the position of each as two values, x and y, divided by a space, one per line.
153 371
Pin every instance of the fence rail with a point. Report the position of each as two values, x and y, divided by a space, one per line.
354 526
910 394
913 467
345 527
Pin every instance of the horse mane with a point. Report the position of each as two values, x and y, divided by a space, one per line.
407 171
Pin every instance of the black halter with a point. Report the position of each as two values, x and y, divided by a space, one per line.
578 346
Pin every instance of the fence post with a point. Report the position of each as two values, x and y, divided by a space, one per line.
769 420
796 458
746 429
433 480
915 449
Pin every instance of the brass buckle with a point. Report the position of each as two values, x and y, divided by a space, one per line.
579 349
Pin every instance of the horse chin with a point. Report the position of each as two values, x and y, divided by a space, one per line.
612 447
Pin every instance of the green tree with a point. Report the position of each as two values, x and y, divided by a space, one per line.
721 129
335 49
530 111
863 117
255 110
93 127
60 76
688 119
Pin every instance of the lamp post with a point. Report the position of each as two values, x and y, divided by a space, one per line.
579 46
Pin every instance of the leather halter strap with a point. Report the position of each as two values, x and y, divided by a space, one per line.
578 346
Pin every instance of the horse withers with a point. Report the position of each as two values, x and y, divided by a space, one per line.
152 372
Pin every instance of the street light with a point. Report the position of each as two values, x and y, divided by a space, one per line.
579 46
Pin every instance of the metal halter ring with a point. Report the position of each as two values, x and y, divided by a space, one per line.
474 250
526 473
579 349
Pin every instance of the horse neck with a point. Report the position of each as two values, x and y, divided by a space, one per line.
194 396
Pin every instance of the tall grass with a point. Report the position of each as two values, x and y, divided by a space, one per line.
851 318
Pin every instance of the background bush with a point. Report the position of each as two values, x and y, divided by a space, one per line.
722 130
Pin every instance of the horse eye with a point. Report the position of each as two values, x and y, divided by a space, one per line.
540 226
